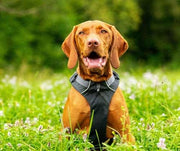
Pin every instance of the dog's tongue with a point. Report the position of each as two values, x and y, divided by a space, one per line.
94 63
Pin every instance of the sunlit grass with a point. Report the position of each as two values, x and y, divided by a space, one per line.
31 107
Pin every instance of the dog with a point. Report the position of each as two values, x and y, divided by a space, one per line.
95 103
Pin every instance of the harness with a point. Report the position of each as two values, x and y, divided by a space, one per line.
98 95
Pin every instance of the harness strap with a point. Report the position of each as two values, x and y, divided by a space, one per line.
98 95
85 83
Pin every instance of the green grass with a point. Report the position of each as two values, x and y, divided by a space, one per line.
31 107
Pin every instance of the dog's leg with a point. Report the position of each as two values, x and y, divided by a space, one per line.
118 118
70 119
120 126
76 113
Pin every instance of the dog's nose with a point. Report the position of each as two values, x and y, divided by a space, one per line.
93 42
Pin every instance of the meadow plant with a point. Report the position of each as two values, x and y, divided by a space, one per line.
31 112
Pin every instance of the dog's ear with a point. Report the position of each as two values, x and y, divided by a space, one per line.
118 47
69 48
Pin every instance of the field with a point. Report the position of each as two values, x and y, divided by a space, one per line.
31 107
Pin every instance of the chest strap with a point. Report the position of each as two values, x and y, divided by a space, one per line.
98 95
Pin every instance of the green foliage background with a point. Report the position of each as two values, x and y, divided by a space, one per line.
32 31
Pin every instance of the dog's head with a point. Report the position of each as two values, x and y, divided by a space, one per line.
97 46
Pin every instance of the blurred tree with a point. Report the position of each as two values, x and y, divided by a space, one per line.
32 31
19 8
125 15
28 34
159 33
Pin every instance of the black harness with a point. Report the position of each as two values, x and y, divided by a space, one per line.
98 95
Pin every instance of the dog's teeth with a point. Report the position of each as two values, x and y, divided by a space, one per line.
86 61
100 60
94 63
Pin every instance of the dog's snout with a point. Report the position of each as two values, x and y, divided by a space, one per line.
93 42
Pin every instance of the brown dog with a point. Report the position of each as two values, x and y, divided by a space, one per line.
97 47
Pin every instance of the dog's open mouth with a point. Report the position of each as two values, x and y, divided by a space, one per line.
94 60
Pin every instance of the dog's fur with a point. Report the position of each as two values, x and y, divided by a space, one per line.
106 43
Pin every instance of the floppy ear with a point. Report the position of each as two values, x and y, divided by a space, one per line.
69 48
118 47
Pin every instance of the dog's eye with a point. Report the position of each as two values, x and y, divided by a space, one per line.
103 31
81 32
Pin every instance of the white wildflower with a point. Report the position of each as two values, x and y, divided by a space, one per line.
151 77
5 79
128 90
26 134
141 119
10 105
53 95
179 118
40 127
8 80
17 104
27 121
161 144
148 75
152 124
151 93
122 85
85 137
18 122
9 144
60 82
132 97
178 83
58 102
6 126
155 81
24 84
46 85
9 134
178 109
51 104
49 121
1 113
175 88
13 80
168 89
163 114
132 81
171 124
44 97
35 120
19 145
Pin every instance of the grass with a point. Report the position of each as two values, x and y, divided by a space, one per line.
31 107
